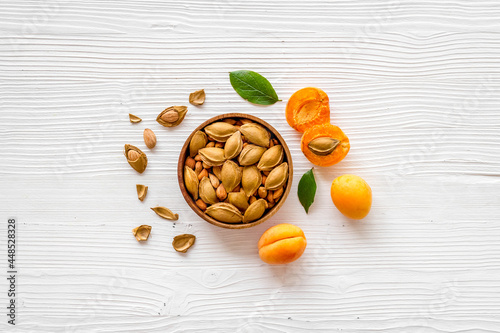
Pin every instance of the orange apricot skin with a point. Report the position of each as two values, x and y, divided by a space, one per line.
352 196
282 244
307 107
321 131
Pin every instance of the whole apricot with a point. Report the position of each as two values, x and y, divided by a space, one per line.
352 196
282 244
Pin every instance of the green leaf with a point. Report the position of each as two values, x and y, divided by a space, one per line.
307 189
253 87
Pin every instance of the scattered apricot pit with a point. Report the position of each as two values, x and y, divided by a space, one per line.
136 158
142 191
141 233
172 116
182 243
197 97
134 119
165 213
149 138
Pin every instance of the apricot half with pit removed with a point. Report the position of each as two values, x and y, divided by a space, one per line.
307 107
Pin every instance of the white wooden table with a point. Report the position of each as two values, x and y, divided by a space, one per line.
414 84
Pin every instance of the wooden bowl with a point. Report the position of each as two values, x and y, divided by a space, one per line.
184 153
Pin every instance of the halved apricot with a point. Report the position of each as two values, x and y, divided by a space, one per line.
324 144
307 107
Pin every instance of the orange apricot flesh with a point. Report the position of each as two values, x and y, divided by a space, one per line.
307 107
282 244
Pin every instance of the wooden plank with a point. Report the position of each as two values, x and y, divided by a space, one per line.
414 85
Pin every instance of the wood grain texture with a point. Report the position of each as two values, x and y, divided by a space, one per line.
414 84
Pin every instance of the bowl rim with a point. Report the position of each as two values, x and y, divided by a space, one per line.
191 202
